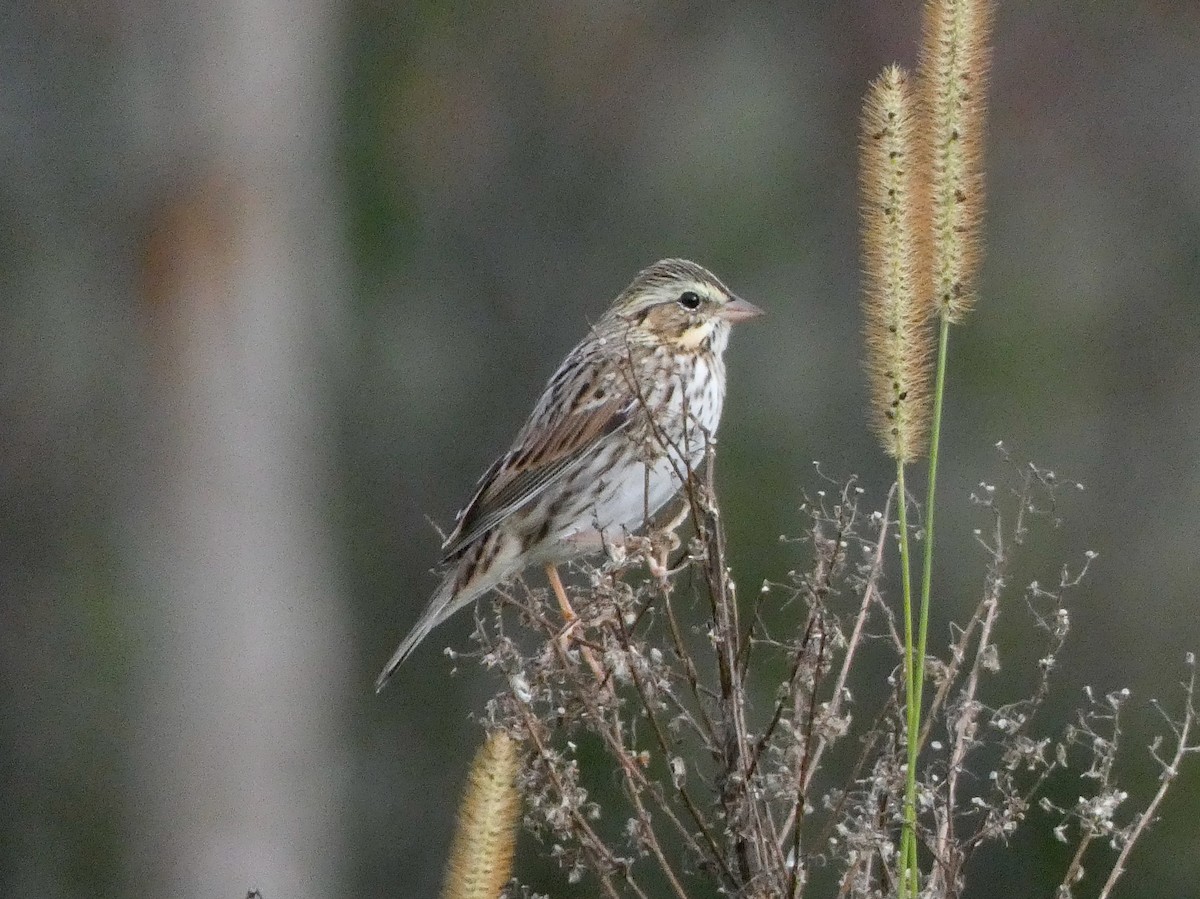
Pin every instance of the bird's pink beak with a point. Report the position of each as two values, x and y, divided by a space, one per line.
738 310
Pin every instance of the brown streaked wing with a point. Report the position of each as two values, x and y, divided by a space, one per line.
541 457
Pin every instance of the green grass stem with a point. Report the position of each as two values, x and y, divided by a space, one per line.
908 841
914 660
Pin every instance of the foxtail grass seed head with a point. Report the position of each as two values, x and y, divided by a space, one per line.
955 57
897 322
484 843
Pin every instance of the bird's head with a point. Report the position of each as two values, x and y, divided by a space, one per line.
681 305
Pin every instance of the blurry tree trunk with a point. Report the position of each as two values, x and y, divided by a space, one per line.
238 779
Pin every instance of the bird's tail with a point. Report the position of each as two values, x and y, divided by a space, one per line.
479 569
445 602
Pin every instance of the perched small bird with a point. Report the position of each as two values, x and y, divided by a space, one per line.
620 424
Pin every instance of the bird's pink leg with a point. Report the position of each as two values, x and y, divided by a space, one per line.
572 621
564 604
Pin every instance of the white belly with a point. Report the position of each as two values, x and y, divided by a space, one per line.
622 499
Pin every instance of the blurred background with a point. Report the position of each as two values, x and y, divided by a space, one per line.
280 279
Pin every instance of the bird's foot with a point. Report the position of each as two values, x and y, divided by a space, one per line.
663 542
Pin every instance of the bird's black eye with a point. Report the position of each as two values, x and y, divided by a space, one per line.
689 299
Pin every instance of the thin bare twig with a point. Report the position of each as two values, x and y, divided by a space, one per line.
592 844
1169 772
870 591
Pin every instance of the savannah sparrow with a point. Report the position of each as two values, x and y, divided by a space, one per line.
621 423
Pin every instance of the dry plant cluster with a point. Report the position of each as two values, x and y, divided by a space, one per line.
719 795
